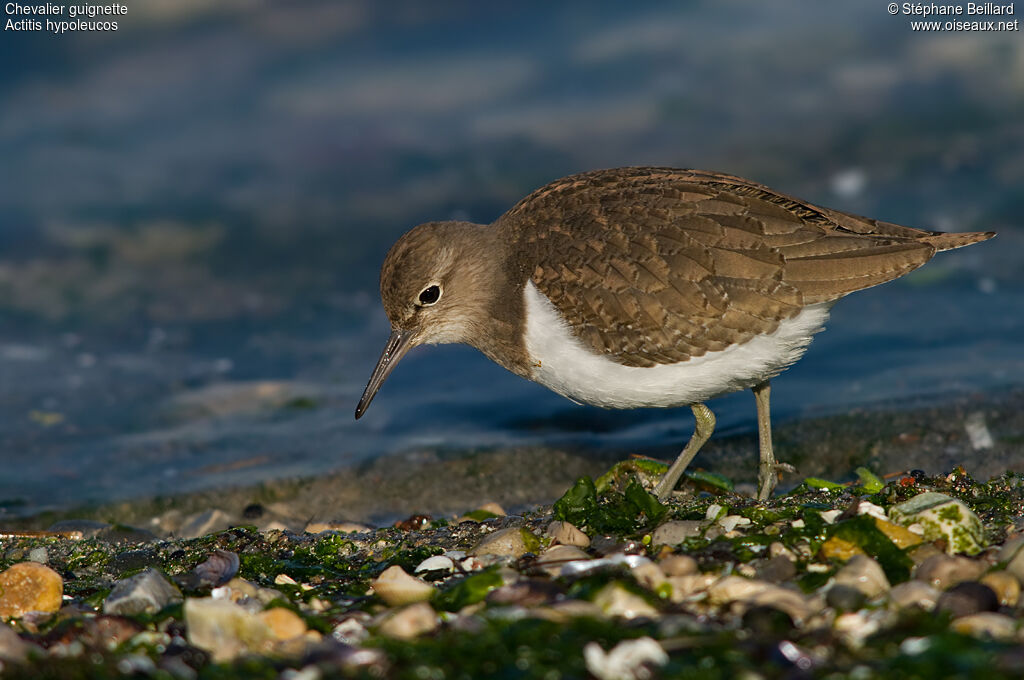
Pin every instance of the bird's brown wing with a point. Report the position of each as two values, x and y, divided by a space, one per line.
655 265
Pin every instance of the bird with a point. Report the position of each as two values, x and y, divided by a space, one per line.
644 287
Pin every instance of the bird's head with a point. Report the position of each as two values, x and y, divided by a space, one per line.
433 286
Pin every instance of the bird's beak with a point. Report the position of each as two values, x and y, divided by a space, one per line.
398 344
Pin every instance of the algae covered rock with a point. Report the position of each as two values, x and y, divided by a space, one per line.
939 516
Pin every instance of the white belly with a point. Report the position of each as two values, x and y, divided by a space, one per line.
562 363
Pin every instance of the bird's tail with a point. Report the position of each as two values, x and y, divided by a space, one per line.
944 241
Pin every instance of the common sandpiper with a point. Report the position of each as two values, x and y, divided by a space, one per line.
644 287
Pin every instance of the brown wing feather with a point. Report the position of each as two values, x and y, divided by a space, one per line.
657 265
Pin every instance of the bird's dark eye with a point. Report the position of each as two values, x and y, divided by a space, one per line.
430 295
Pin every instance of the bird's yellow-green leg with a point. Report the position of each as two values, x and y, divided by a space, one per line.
768 475
701 433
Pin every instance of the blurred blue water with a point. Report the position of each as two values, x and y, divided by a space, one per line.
193 211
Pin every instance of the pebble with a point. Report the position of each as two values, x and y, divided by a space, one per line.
566 533
615 600
396 587
678 565
864 574
855 627
966 598
987 624
944 571
789 601
732 588
38 554
1005 585
223 628
836 548
1012 554
914 594
676 531
510 542
144 593
28 587
12 647
901 536
776 569
689 585
649 575
942 517
628 660
204 523
409 622
845 598
554 559
284 624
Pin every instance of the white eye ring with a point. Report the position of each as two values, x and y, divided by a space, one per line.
430 295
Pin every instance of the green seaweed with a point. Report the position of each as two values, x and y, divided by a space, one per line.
864 533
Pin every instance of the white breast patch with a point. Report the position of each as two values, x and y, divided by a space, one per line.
562 363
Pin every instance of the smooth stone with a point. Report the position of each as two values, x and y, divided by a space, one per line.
777 569
987 624
853 628
339 527
614 600
409 622
1013 556
397 588
12 648
732 588
864 574
553 559
436 563
284 624
968 597
29 587
204 523
1005 585
567 533
223 628
38 554
678 565
689 585
779 549
649 575
145 593
944 571
628 660
794 604
922 553
914 594
676 531
942 517
845 598
509 542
